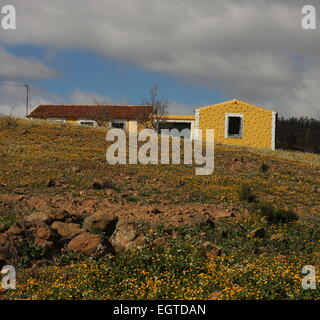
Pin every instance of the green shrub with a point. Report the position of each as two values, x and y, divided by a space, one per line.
274 215
246 194
27 252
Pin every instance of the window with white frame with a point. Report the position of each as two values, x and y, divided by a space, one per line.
234 125
87 123
118 124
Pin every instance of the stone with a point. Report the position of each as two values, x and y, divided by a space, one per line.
67 230
15 229
257 233
87 244
42 217
102 221
44 233
279 237
127 236
211 250
60 215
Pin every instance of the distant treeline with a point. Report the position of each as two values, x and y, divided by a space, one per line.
301 134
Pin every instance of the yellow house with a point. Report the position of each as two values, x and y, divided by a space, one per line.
239 123
234 122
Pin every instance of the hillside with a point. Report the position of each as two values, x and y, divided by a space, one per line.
197 229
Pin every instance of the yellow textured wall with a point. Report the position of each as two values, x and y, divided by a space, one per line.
257 123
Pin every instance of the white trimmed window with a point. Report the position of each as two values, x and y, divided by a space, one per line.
87 123
118 124
234 125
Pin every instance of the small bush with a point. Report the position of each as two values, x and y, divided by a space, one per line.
8 121
274 215
264 168
246 194
27 252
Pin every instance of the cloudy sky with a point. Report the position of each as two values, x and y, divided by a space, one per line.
198 52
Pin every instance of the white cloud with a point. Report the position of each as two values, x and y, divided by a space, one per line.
13 67
255 50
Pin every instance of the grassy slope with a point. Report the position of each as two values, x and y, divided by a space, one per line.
33 152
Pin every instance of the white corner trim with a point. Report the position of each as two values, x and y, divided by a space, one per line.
226 123
196 125
273 132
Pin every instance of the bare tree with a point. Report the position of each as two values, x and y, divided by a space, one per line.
100 113
8 119
160 106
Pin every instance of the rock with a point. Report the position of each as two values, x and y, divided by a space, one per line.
211 250
279 237
102 221
15 230
257 233
60 215
127 236
67 230
50 183
44 233
100 184
88 244
38 217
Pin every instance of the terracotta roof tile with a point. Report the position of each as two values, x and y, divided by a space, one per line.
74 112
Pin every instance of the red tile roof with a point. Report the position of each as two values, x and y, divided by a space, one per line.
89 112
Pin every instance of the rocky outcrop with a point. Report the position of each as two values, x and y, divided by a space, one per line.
67 230
87 244
102 221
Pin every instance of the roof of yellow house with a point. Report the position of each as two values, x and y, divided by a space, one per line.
233 101
177 117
